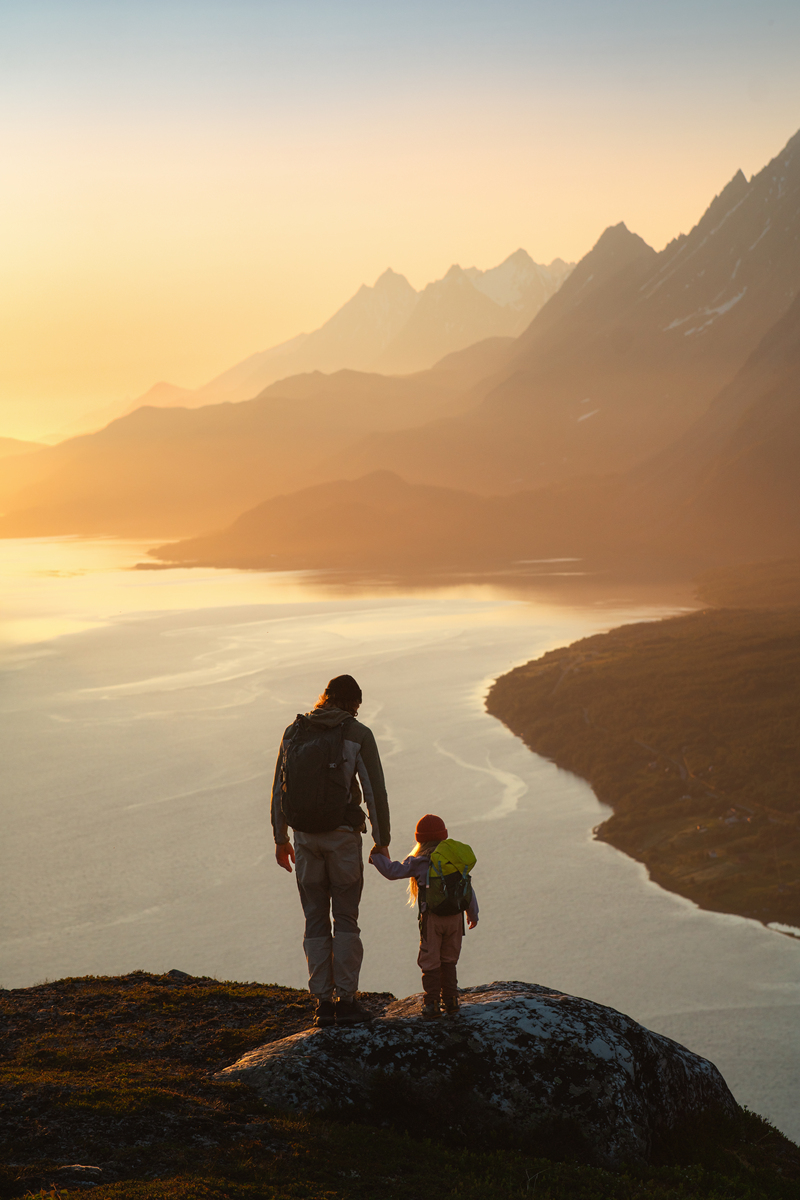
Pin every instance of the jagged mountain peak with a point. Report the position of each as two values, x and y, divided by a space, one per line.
788 160
616 237
740 264
520 260
391 280
615 249
520 284
728 199
362 333
791 147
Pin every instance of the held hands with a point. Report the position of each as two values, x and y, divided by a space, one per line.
384 850
283 853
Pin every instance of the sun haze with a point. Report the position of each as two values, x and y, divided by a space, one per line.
186 184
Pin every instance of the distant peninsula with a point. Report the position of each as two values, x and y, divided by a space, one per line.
689 729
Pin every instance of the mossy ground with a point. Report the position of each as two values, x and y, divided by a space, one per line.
117 1075
690 730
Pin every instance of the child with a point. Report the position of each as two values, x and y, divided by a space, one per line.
440 936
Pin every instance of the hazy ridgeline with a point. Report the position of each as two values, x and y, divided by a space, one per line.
647 414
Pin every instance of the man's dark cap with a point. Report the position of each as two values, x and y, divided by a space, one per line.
344 687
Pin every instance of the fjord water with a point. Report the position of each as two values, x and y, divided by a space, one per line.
141 715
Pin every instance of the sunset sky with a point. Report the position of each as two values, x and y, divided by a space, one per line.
186 182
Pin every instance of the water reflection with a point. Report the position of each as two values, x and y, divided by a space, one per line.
54 586
136 763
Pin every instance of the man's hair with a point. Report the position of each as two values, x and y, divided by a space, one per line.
342 692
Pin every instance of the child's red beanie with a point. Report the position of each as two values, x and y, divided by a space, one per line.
430 829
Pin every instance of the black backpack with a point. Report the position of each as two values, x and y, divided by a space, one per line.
314 793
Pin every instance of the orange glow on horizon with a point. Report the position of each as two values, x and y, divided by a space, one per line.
168 246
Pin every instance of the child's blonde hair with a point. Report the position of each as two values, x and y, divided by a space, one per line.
413 886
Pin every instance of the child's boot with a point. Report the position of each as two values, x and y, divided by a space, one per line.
431 986
449 988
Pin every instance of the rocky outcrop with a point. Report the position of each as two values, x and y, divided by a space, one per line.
520 1064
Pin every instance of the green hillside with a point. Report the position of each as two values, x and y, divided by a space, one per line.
690 730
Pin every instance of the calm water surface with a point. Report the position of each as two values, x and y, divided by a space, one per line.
141 716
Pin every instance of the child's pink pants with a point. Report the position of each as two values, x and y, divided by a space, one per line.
438 954
442 941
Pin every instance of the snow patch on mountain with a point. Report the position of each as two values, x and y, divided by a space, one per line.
710 314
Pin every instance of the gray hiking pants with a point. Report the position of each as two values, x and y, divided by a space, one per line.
330 877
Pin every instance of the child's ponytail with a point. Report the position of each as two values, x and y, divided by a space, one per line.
413 886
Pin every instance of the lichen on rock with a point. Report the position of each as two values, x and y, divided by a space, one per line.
520 1063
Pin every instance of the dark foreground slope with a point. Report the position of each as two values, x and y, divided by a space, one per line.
107 1084
689 729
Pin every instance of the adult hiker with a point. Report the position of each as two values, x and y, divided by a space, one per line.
327 764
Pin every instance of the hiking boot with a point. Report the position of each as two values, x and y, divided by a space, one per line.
350 1012
451 1005
325 1015
430 1010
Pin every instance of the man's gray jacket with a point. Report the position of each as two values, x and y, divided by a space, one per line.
363 775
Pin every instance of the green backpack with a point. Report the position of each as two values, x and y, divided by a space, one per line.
449 887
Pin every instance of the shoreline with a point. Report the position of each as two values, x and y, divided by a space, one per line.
684 727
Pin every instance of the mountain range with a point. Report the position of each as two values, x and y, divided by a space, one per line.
698 348
627 355
174 470
392 329
156 468
651 408
388 328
